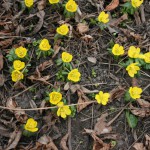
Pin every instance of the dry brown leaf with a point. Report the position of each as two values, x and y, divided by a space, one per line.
147 141
82 99
141 112
76 87
5 43
116 93
42 106
87 38
1 61
101 125
19 85
92 60
39 25
116 22
42 66
56 50
143 103
11 104
47 143
41 4
82 28
139 146
14 139
63 142
67 86
112 5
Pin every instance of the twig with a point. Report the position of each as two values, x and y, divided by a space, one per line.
142 13
42 108
111 121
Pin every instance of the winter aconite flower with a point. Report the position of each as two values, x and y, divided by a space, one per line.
135 92
55 97
102 98
118 50
44 45
53 1
132 69
21 52
74 75
147 57
63 29
18 65
28 3
66 57
71 6
133 52
103 17
63 110
16 75
136 3
31 125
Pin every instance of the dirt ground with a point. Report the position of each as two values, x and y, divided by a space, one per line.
18 27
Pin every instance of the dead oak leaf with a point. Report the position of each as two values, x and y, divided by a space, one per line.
63 142
143 103
141 112
112 5
82 28
139 146
101 125
82 99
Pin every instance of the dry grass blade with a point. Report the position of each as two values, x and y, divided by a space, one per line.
63 142
112 5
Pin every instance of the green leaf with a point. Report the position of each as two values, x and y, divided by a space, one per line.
127 96
131 119
73 111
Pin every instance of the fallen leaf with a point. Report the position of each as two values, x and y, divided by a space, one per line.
143 103
14 139
87 38
19 85
11 104
45 64
82 99
41 4
67 86
1 61
39 25
116 93
82 28
56 50
63 142
139 146
101 125
42 106
147 141
5 43
112 5
92 60
141 112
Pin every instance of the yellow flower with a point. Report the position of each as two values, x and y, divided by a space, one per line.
135 92
21 52
102 98
18 65
132 69
103 17
136 3
44 45
16 75
55 97
31 125
147 57
66 57
118 50
71 6
28 3
74 75
133 52
63 29
54 1
63 110
141 56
